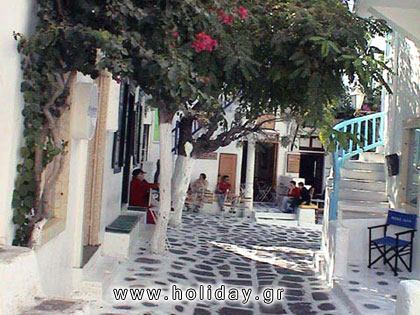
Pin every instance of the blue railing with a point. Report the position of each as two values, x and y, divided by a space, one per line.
365 133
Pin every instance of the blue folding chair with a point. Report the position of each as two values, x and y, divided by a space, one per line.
394 247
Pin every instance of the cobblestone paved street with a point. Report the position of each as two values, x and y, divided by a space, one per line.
209 250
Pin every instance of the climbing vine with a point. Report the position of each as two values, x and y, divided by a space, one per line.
51 57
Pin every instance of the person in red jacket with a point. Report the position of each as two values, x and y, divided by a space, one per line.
222 190
140 189
292 197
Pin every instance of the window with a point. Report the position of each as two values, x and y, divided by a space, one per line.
119 135
310 143
127 138
156 130
136 126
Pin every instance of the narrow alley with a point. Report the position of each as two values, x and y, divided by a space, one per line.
211 250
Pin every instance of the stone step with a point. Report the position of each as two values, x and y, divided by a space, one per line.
362 184
275 215
361 165
363 206
362 194
97 274
372 157
58 306
19 279
347 215
363 174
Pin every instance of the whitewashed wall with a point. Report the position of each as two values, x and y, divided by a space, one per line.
111 193
14 16
59 259
403 104
211 167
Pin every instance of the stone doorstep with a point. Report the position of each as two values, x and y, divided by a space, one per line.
96 277
101 268
58 306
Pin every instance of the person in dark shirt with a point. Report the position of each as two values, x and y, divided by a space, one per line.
290 201
305 197
140 189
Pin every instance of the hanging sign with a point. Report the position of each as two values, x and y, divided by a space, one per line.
293 163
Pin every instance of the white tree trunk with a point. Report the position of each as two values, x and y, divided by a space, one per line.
250 172
159 237
180 181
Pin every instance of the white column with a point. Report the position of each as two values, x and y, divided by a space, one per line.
408 298
76 203
250 168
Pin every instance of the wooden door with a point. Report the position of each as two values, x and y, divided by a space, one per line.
227 166
96 166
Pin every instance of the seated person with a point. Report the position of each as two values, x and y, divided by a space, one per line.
292 199
198 188
140 189
305 197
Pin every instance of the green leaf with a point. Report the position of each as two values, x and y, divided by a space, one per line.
334 47
29 163
296 73
316 38
324 49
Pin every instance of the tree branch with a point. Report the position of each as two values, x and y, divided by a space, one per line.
59 8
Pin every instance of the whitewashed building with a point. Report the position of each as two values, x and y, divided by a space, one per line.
367 188
89 192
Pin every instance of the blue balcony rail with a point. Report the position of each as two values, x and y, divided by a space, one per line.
367 134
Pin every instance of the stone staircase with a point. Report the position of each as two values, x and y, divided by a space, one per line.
363 188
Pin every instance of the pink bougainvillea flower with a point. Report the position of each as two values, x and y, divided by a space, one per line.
243 12
175 34
225 18
204 42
